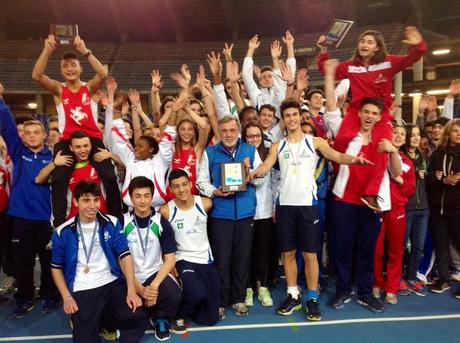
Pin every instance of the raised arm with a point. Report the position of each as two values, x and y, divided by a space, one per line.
417 48
38 72
101 73
233 76
8 129
155 94
59 160
323 147
247 73
333 116
454 89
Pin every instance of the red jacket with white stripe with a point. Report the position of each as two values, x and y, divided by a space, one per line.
400 194
375 80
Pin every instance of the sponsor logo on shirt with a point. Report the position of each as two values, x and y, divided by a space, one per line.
380 79
85 100
106 236
286 155
66 101
26 158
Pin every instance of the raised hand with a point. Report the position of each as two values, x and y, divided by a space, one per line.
156 80
254 42
423 104
124 108
413 36
201 77
185 72
62 160
227 51
288 38
134 97
111 84
80 45
181 102
386 146
302 79
432 103
180 80
102 98
330 66
50 44
320 43
394 106
214 64
286 73
232 71
276 49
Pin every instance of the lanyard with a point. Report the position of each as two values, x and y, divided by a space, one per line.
295 161
143 245
82 237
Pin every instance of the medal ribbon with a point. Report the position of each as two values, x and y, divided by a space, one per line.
87 252
143 246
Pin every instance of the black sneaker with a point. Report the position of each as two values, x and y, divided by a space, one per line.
440 286
178 327
340 300
313 312
21 309
369 302
161 327
290 305
372 202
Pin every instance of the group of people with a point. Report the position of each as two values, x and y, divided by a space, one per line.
132 220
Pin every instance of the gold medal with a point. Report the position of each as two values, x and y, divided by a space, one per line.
86 270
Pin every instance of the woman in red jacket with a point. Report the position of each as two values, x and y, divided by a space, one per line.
371 72
402 187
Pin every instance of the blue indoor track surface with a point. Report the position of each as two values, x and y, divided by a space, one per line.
434 318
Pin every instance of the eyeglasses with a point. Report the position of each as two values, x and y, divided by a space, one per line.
253 136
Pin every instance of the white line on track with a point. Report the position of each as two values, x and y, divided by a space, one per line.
261 326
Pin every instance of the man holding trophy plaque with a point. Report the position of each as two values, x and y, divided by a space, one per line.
222 176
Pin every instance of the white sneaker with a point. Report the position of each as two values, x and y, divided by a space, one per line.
249 301
264 297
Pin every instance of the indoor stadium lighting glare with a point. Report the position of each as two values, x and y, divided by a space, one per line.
393 94
415 94
441 52
437 91
32 105
441 107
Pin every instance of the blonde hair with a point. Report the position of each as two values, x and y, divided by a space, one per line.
444 142
33 122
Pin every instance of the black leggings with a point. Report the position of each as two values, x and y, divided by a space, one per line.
61 176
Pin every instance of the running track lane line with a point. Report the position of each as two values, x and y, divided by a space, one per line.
261 326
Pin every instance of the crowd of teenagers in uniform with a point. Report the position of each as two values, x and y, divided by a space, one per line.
128 217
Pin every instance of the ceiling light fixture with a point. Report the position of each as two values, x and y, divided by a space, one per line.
441 52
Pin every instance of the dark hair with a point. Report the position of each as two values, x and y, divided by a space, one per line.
86 187
245 110
140 182
289 103
373 101
441 121
52 119
428 124
78 135
313 127
69 56
22 119
380 55
101 121
262 149
268 107
163 103
151 142
312 92
54 129
176 174
409 128
265 68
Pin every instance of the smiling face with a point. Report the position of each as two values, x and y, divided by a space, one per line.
291 117
253 136
367 47
88 206
81 147
369 115
186 132
71 69
399 136
267 118
229 133
33 136
181 188
142 150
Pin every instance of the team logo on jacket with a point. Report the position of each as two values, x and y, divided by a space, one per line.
380 79
78 115
66 101
106 236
